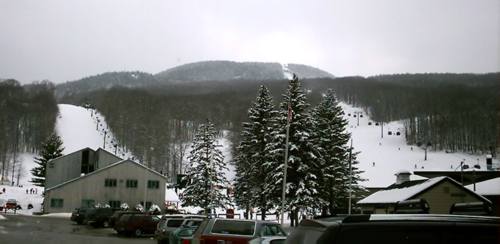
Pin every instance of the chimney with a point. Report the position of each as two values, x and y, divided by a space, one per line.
489 162
402 177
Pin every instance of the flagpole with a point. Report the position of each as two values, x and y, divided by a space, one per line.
285 166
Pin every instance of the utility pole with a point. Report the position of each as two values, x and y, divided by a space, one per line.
382 129
357 113
350 179
104 143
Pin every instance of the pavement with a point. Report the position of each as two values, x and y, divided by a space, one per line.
22 229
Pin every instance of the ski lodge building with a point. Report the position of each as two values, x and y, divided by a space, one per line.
440 193
86 177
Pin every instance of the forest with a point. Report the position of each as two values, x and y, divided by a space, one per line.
27 117
453 112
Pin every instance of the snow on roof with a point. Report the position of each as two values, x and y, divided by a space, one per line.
400 194
171 196
487 187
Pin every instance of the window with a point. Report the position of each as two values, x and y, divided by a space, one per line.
153 184
114 204
110 182
174 222
131 183
234 227
56 203
88 203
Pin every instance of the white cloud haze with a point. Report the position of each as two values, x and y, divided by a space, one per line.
64 40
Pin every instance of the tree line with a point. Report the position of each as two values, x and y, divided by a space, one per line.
27 117
454 112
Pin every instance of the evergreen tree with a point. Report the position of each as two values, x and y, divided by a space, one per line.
330 136
206 176
52 148
253 152
303 158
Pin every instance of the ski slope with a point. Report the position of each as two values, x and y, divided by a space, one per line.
81 127
391 153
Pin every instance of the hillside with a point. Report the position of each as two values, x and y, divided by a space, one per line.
220 71
104 81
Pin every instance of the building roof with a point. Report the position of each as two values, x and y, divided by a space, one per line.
487 187
468 176
86 148
103 169
406 191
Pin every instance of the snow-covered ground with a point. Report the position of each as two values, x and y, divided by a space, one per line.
24 197
381 158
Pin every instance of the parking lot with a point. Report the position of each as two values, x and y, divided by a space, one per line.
36 229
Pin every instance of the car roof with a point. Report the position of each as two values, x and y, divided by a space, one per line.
400 218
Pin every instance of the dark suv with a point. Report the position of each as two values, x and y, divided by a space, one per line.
137 224
78 215
99 217
400 229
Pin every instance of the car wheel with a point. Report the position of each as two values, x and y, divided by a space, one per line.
138 232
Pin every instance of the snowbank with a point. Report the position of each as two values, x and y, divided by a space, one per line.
56 215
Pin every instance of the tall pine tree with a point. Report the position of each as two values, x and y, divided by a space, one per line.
206 174
52 148
303 158
253 153
330 136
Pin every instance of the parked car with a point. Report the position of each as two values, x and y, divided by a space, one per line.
116 216
11 204
169 223
398 228
215 231
137 224
184 233
99 217
78 215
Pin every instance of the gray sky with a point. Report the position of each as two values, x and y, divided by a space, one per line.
67 40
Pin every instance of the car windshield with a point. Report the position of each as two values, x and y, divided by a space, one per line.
234 227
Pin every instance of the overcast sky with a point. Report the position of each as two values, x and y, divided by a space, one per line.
67 40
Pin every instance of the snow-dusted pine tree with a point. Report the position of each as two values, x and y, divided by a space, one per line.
330 136
206 173
303 158
253 152
51 148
